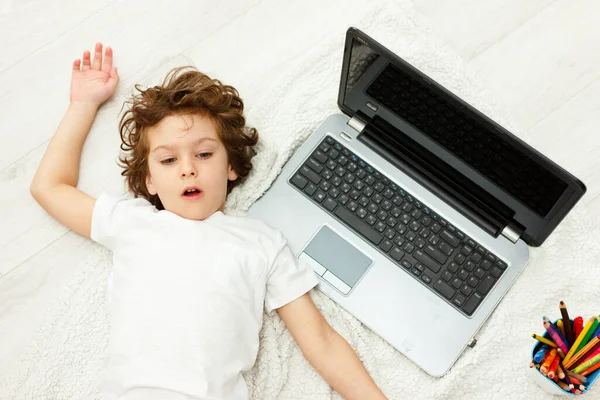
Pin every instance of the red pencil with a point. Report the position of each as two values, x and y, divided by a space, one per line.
578 326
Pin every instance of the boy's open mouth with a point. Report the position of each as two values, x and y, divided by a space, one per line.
192 192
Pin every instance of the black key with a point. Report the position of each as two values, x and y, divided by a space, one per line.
397 254
427 261
466 250
501 264
415 271
447 276
472 303
310 174
476 257
445 289
466 290
486 284
445 248
479 273
330 204
436 254
386 245
299 181
460 259
450 238
496 272
310 189
473 282
320 196
425 278
470 266
363 228
453 267
486 264
406 264
459 300
457 283
318 154
463 275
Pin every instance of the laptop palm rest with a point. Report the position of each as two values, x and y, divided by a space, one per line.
335 260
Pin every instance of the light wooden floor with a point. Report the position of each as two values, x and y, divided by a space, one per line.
539 60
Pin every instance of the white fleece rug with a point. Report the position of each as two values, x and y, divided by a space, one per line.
64 359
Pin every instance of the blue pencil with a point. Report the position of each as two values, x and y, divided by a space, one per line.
539 355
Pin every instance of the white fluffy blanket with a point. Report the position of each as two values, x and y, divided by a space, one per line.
64 359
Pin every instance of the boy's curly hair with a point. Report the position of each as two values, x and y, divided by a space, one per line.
185 90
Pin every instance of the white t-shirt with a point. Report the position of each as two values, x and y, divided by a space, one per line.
186 298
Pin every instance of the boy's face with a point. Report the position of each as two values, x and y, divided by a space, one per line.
185 151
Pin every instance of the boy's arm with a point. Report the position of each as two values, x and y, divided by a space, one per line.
327 351
55 181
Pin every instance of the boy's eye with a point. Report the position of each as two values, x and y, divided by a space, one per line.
172 159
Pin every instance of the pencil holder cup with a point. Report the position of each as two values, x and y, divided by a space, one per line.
548 384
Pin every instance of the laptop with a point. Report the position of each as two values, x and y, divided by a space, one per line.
414 209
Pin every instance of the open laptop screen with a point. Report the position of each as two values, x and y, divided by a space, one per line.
380 85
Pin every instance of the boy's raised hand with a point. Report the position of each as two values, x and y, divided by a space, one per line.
94 82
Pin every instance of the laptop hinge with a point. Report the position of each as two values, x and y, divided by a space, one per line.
356 124
510 234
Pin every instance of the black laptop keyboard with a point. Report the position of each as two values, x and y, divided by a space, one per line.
400 226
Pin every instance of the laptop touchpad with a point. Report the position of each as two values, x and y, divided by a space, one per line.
336 260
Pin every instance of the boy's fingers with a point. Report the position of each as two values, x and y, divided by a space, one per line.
108 59
86 61
76 65
97 57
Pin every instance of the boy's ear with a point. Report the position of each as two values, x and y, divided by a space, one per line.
150 185
231 174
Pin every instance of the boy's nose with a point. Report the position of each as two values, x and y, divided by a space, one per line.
188 168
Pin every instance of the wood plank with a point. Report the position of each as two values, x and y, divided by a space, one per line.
472 26
31 25
545 62
569 137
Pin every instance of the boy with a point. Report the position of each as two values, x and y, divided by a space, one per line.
189 283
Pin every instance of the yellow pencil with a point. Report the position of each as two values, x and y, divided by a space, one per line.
561 328
583 351
585 330
544 340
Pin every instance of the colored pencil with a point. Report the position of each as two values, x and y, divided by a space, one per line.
579 339
547 361
553 367
540 354
567 323
561 354
555 335
589 333
587 364
543 340
564 386
577 327
561 373
582 378
561 329
567 377
584 350
591 369
592 354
